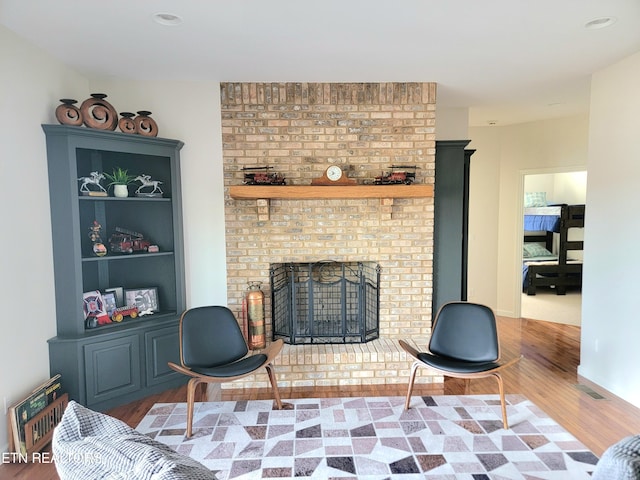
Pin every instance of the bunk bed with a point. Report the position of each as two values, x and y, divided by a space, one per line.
542 267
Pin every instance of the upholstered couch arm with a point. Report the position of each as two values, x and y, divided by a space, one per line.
92 445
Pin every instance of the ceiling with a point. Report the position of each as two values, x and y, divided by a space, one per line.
508 61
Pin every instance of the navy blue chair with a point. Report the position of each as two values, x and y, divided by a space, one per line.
213 350
464 344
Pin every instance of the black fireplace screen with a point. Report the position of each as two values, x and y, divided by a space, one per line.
325 302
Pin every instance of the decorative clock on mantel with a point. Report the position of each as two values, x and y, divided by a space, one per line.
333 175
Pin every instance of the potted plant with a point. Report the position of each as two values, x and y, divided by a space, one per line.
120 178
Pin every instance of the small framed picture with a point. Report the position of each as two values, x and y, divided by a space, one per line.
119 293
110 303
146 299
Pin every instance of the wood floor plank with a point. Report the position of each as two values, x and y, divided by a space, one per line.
547 375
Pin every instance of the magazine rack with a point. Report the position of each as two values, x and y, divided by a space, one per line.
39 430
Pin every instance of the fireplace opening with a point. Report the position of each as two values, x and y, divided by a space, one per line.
325 302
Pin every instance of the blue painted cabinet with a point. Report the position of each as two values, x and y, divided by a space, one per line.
118 362
451 222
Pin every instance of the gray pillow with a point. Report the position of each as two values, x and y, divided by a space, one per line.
534 250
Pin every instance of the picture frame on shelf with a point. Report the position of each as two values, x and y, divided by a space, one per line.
119 293
146 299
110 303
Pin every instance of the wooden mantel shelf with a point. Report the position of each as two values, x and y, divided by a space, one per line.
325 192
386 193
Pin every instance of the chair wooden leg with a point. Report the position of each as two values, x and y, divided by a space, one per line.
274 385
412 377
505 423
191 396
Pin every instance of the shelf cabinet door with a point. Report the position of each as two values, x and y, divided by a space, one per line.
112 368
161 346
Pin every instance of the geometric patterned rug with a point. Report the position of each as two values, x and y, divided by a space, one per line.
373 438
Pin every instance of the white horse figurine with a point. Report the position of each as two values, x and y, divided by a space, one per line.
147 182
93 179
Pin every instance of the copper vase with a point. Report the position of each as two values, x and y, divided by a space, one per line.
145 125
67 113
98 113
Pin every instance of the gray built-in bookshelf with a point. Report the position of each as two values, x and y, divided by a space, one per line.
118 362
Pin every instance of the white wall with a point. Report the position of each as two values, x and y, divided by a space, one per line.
570 187
503 155
452 123
484 202
564 187
610 322
31 84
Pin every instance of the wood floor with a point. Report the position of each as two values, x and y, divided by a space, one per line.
546 375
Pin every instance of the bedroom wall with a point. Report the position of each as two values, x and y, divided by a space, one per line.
565 187
610 324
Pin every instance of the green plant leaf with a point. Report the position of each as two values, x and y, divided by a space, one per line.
119 177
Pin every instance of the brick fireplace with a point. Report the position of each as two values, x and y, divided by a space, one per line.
300 129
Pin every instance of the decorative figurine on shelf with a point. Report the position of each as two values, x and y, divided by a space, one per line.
94 179
128 241
399 174
121 312
262 178
94 235
146 181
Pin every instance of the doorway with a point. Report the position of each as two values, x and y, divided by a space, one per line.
553 188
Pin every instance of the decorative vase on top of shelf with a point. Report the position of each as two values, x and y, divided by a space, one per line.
120 179
67 113
98 113
126 123
145 125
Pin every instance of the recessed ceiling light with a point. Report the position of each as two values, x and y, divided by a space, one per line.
167 19
601 22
